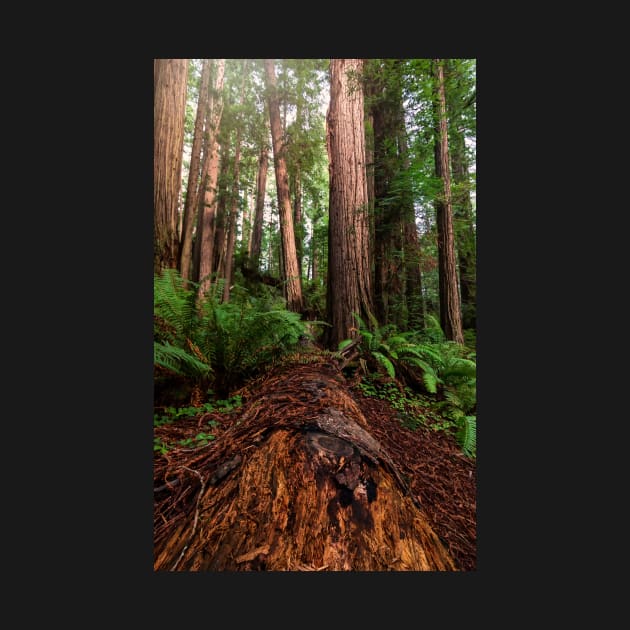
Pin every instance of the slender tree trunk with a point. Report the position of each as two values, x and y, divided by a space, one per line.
194 175
466 241
220 223
291 271
297 216
205 234
450 311
411 240
170 77
232 219
261 185
349 276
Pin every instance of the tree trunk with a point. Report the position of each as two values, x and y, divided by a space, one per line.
411 240
450 311
291 271
205 233
388 288
261 186
232 222
462 215
349 275
195 178
170 77
297 216
298 483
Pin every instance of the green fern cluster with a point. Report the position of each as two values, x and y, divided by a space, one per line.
227 341
446 369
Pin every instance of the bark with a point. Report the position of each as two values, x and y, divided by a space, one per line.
411 240
232 222
349 276
291 271
297 216
298 483
388 288
464 232
194 174
450 311
261 185
170 77
205 232
220 223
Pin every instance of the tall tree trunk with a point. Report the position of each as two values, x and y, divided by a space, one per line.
194 176
232 222
261 185
349 287
220 222
291 271
450 311
297 216
462 206
170 77
387 241
205 232
411 240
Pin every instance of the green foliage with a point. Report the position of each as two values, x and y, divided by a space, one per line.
447 370
227 342
201 439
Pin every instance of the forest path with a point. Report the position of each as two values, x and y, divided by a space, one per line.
312 394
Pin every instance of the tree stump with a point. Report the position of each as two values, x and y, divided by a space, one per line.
296 484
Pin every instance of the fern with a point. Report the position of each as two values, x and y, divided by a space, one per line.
178 360
467 436
385 362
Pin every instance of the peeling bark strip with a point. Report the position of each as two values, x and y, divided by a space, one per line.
296 483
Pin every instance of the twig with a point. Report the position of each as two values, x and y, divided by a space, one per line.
181 555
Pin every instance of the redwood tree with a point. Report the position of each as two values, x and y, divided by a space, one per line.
291 271
261 185
194 175
349 288
450 305
170 77
205 235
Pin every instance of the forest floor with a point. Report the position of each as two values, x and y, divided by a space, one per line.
431 462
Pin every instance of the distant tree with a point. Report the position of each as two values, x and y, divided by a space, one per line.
170 78
205 223
450 305
460 101
261 185
291 272
349 288
194 175
232 218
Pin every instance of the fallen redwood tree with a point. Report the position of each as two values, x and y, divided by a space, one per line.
297 482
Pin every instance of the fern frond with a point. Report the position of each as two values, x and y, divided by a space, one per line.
467 435
385 362
430 381
178 360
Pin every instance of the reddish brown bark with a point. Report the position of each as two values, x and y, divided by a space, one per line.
194 176
349 278
291 271
232 222
170 77
298 483
261 184
205 233
450 306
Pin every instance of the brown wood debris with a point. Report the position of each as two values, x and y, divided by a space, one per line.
302 478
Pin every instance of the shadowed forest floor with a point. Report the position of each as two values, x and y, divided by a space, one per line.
430 464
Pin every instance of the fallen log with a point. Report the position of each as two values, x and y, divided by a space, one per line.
296 483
